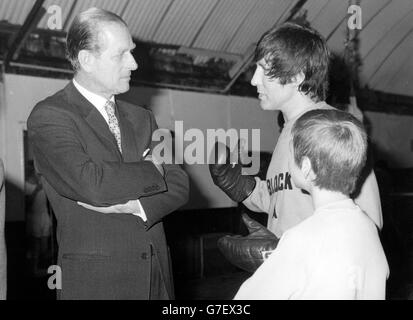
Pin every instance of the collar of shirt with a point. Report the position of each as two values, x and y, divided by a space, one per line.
344 204
96 100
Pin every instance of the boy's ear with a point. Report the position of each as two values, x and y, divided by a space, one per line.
307 169
298 78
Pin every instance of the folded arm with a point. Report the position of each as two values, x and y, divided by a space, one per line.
159 205
63 160
153 207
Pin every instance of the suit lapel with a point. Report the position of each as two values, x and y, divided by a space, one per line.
91 115
99 125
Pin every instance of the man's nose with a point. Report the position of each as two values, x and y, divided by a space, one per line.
254 80
132 64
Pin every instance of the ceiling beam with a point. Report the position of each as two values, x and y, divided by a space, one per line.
6 27
245 62
242 63
28 26
384 102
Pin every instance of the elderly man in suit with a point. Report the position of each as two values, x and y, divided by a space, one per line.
92 152
3 256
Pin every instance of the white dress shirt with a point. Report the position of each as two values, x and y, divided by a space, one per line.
99 103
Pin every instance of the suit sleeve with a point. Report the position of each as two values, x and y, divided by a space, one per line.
177 182
64 162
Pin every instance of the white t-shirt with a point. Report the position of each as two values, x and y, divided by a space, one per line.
287 205
334 254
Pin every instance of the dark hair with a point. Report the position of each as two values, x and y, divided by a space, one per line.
84 33
336 144
290 49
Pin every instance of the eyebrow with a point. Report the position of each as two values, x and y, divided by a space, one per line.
261 64
125 50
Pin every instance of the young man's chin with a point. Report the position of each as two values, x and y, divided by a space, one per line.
263 105
267 107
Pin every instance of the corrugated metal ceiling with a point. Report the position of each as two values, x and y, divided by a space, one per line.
231 26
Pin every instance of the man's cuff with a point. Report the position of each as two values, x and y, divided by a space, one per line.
141 212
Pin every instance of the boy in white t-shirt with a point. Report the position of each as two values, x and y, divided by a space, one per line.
335 253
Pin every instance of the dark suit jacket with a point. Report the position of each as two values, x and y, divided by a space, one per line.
103 256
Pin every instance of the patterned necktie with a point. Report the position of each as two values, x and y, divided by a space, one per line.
113 122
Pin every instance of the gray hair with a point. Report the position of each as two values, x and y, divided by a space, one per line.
84 33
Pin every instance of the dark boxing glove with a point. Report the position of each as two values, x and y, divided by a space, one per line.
229 176
248 252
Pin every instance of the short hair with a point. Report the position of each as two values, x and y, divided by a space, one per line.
84 33
290 49
336 144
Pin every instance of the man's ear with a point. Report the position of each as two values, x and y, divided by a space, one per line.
298 78
307 169
86 59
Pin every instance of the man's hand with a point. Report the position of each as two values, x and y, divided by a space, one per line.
157 163
229 176
131 207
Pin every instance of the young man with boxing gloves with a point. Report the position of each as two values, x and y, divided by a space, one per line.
291 77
